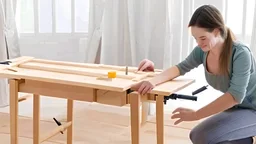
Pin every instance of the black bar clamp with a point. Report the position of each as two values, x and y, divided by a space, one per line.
6 62
179 96
58 123
173 96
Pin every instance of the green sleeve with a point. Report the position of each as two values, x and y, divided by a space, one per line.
240 74
194 59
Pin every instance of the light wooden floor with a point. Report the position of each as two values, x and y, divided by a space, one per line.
94 124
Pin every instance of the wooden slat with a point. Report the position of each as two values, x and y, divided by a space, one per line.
14 111
70 118
57 90
36 119
160 119
116 84
56 131
91 65
135 117
72 76
111 97
71 70
172 86
83 65
16 62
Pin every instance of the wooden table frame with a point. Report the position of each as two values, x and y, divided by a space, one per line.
71 92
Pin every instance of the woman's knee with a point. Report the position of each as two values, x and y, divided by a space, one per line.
199 136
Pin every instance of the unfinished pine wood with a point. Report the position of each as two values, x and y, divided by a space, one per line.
74 81
117 84
145 110
160 119
74 76
23 98
15 62
56 131
135 117
70 118
91 65
111 97
36 119
73 70
57 90
14 111
20 60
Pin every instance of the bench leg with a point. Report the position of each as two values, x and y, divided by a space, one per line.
36 119
70 119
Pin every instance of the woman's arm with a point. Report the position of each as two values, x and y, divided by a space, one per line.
166 75
221 104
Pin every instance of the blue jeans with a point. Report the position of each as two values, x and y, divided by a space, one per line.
234 126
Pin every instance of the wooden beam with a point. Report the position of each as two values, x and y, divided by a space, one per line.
57 90
56 131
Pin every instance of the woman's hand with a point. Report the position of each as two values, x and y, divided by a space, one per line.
143 87
184 114
146 65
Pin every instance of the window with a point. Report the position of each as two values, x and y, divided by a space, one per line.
239 17
52 16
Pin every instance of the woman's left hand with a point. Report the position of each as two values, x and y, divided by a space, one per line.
184 114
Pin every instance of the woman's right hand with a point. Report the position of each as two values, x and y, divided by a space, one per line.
146 65
143 87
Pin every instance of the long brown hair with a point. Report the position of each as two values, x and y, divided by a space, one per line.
210 18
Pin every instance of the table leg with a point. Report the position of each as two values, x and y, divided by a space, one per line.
145 107
14 111
135 117
160 119
36 119
70 119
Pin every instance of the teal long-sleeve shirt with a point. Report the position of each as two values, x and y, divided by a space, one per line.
241 82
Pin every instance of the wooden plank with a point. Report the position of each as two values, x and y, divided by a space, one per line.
160 119
14 111
85 65
36 119
116 84
135 117
70 118
172 86
20 60
57 90
71 70
91 65
111 97
15 62
56 131
145 110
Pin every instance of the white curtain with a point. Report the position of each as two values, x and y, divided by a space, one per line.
125 32
11 32
9 46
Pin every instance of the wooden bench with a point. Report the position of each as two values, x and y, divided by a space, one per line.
83 82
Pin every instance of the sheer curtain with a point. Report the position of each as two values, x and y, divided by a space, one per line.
9 46
125 32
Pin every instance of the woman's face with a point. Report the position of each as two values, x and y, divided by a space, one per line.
205 40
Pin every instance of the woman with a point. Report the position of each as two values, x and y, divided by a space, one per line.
229 67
